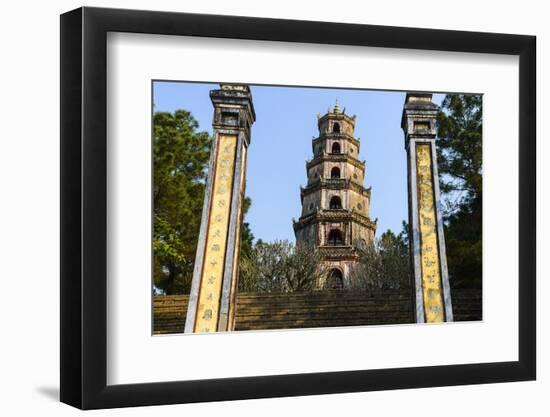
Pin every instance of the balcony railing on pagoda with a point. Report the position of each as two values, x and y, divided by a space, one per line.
334 243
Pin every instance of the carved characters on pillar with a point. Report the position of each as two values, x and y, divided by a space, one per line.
431 279
216 242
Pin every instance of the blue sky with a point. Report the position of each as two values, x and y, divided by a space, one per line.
286 122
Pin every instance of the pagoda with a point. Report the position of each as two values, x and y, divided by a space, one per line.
335 203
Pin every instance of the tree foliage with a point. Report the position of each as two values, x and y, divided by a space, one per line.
247 238
280 266
459 131
459 143
180 162
383 264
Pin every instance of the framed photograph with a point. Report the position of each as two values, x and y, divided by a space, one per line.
256 208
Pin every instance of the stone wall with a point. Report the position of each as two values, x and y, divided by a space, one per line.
317 309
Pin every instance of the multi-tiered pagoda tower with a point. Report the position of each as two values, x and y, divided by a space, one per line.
335 204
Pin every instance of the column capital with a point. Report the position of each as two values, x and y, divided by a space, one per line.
419 117
233 109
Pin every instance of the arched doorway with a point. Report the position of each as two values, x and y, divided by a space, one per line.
335 280
335 172
336 127
336 148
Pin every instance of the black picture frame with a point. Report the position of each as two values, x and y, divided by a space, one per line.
84 207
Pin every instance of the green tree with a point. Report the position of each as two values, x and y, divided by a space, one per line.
180 162
247 281
385 263
305 269
247 238
280 266
459 131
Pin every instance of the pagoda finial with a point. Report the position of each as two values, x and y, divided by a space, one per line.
336 106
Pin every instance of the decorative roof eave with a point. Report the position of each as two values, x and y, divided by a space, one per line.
341 157
334 216
336 116
333 135
335 184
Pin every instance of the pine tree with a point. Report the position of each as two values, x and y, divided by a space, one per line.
460 166
180 162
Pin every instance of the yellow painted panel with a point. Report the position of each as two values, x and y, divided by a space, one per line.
216 240
429 249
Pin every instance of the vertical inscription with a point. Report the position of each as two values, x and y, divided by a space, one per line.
431 277
232 304
216 240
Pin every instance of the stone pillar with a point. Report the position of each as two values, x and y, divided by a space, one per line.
214 286
426 239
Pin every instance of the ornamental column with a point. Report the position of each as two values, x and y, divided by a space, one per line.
427 242
214 286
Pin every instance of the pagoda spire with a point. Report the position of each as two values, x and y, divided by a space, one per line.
336 107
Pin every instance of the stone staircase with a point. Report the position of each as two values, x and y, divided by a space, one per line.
262 311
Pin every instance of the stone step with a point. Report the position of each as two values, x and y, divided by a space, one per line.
316 297
314 309
319 324
358 304
313 316
327 312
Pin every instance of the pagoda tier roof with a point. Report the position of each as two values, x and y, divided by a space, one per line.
336 157
336 115
335 135
335 216
335 184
